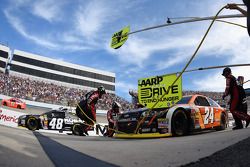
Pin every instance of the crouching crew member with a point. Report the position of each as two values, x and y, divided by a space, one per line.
112 117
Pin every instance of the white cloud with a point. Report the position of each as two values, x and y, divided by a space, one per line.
59 40
216 82
124 88
47 9
137 50
211 82
90 18
232 44
17 24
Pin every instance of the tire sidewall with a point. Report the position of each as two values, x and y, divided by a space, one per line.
179 123
223 122
32 123
77 129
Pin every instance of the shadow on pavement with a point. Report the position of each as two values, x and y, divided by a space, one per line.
62 155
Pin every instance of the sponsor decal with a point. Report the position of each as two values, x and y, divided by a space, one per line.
7 118
146 130
69 121
162 123
158 90
101 129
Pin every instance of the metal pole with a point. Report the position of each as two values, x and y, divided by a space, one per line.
187 21
209 68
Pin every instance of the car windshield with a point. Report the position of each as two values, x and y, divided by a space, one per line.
184 100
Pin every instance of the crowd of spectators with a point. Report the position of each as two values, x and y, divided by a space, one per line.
216 96
29 89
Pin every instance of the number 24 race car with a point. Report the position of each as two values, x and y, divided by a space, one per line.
191 113
60 120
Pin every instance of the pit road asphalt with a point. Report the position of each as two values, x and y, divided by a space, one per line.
20 147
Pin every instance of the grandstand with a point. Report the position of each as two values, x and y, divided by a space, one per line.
59 72
4 56
43 79
38 78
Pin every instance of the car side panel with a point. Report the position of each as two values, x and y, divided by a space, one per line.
217 116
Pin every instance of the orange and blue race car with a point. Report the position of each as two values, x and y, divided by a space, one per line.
14 103
191 113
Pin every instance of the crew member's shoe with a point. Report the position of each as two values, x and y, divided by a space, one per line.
86 133
237 127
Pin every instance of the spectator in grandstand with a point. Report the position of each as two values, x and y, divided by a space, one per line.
111 117
86 109
135 99
244 12
233 91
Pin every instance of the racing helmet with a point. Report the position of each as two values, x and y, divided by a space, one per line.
101 90
116 105
226 71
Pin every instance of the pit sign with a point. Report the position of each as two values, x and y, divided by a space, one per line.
157 92
119 38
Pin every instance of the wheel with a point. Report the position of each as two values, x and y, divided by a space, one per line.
77 129
179 123
4 103
19 107
223 122
32 123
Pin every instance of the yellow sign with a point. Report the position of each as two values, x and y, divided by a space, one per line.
157 92
119 38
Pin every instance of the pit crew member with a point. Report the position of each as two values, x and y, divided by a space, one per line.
233 91
86 109
112 117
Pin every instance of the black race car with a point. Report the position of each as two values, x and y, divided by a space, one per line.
58 119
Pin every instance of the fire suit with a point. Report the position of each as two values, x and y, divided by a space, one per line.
86 109
233 91
111 117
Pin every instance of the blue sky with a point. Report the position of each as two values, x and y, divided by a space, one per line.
79 31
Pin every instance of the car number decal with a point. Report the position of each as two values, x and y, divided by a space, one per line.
56 123
209 117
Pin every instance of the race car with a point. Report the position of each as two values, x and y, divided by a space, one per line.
191 113
56 119
14 102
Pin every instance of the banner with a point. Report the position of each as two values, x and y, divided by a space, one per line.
157 91
9 117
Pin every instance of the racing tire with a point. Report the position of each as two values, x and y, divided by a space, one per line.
32 123
19 107
77 129
223 122
179 123
5 104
